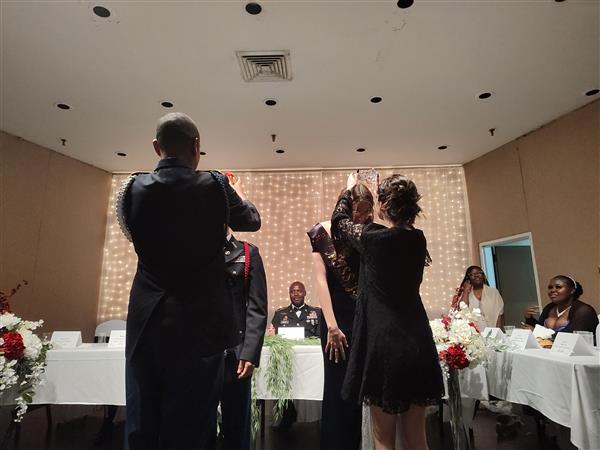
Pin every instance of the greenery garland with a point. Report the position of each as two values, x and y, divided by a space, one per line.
278 377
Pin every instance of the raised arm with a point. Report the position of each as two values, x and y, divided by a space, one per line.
243 215
342 227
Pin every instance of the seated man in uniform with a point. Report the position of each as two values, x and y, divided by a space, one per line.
298 313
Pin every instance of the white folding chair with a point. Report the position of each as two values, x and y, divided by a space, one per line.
105 328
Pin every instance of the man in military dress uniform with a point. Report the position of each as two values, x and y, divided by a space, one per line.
247 283
298 313
179 320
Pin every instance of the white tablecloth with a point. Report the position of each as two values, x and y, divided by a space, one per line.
566 389
307 378
91 374
94 374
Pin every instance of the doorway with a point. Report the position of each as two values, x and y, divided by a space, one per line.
509 264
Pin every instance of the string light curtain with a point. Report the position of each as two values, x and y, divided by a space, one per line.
290 203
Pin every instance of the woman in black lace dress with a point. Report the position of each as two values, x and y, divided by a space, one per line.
393 365
336 275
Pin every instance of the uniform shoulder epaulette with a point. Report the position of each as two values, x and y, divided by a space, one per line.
121 201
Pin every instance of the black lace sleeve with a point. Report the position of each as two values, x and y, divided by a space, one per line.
342 227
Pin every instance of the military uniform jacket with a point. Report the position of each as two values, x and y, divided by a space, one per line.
249 293
175 217
309 319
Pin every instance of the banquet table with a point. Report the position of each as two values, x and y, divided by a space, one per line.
566 389
94 374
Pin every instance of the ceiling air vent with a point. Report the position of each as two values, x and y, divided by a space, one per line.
265 66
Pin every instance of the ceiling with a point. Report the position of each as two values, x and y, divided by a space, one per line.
429 63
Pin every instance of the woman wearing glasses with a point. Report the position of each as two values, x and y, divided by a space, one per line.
476 293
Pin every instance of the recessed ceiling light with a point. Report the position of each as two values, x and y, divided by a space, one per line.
203 153
559 1
442 147
101 11
485 95
592 92
403 4
280 151
253 8
270 102
376 99
120 154
360 150
63 106
167 104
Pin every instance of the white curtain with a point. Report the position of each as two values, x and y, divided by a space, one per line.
290 203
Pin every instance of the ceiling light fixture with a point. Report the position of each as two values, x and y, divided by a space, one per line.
376 99
120 154
270 102
63 106
202 153
485 95
403 4
253 8
360 150
442 147
167 104
280 151
101 11
592 92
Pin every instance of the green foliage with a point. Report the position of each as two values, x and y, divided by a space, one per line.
278 375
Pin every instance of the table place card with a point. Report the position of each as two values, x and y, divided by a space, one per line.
572 345
117 338
493 333
521 339
66 339
296 333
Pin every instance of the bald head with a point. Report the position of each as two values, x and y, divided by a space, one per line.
177 136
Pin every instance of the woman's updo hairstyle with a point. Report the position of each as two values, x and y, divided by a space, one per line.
399 200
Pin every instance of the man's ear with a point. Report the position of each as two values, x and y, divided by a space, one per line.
156 146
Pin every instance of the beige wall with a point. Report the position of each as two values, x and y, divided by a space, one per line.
52 228
547 183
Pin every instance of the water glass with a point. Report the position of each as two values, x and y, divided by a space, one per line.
587 336
508 329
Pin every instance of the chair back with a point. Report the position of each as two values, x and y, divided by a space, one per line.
106 327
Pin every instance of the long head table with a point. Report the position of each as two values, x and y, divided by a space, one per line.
564 389
94 374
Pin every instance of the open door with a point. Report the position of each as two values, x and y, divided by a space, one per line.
509 264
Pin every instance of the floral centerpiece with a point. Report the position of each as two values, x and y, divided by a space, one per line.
22 356
460 345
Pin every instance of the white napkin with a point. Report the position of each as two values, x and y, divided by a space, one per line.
542 332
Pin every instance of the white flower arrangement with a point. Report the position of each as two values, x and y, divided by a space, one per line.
22 357
458 339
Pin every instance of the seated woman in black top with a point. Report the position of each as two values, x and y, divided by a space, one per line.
565 312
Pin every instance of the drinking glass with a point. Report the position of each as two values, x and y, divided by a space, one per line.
508 329
587 336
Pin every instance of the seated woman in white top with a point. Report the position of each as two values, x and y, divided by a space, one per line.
476 293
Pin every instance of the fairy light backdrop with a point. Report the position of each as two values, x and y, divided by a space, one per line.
290 203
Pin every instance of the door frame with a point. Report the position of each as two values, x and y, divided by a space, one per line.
514 238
